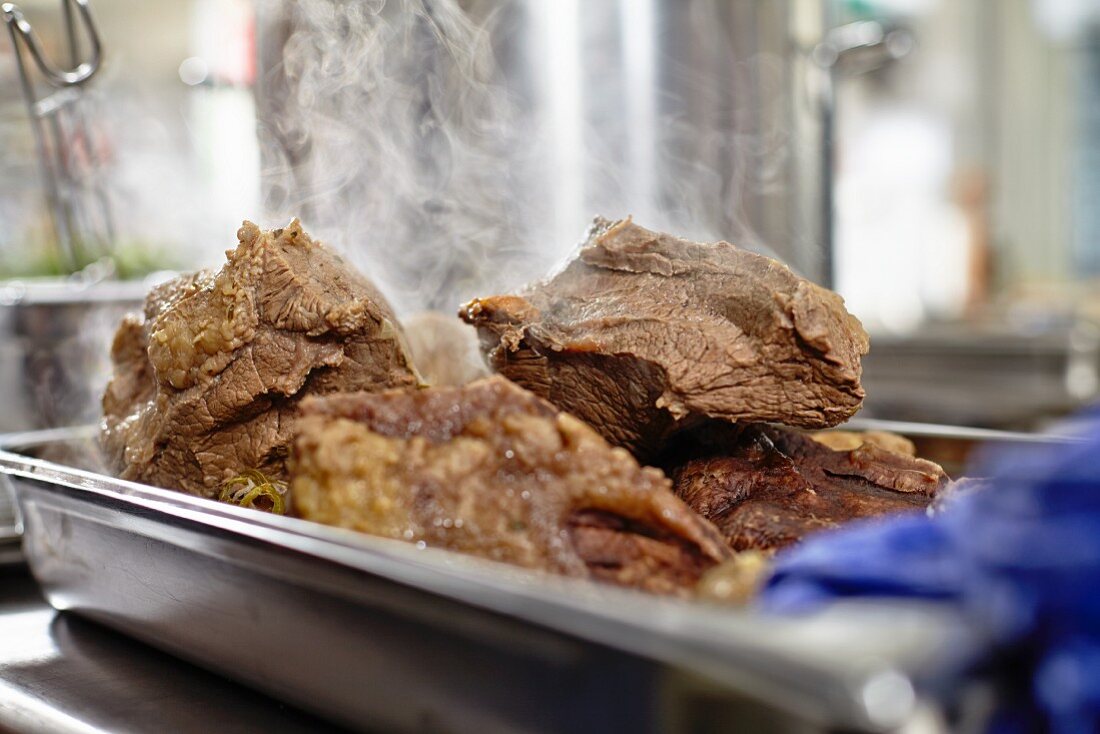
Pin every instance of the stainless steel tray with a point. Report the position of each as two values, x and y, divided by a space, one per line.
378 634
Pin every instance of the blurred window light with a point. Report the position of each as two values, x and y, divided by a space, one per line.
1086 190
888 8
193 71
1061 20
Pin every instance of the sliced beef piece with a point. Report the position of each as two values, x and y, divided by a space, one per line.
766 487
848 440
492 470
643 333
889 468
206 382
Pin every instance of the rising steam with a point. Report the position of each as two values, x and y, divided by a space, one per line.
395 133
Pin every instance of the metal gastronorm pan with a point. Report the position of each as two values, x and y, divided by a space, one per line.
379 634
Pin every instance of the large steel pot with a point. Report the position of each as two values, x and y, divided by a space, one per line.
458 146
55 339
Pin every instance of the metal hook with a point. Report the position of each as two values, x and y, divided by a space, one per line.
80 211
82 72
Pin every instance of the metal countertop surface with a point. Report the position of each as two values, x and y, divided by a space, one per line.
61 673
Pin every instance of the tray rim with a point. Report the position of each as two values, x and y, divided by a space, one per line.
693 636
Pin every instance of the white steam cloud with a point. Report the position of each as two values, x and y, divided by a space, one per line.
455 149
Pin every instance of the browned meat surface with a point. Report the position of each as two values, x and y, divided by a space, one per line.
767 487
205 384
644 332
491 470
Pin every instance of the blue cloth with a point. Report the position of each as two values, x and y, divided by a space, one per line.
1020 558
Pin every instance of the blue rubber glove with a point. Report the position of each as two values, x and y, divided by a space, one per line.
1020 558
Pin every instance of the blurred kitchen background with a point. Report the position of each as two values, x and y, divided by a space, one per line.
936 161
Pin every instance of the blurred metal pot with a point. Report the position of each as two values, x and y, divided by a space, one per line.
703 117
55 340
700 117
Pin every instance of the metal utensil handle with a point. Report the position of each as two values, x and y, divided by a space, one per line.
65 189
81 72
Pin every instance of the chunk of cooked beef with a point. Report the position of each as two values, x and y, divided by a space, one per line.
643 333
766 487
205 384
492 470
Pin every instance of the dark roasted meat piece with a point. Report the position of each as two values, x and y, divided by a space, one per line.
643 333
766 487
206 384
492 470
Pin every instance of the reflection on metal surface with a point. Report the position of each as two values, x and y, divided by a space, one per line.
889 697
59 673
22 645
21 711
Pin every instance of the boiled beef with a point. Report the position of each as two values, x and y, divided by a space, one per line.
767 487
492 470
206 381
643 334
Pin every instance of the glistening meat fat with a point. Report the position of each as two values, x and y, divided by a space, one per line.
643 333
492 470
206 382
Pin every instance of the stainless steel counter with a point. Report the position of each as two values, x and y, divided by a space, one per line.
61 673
